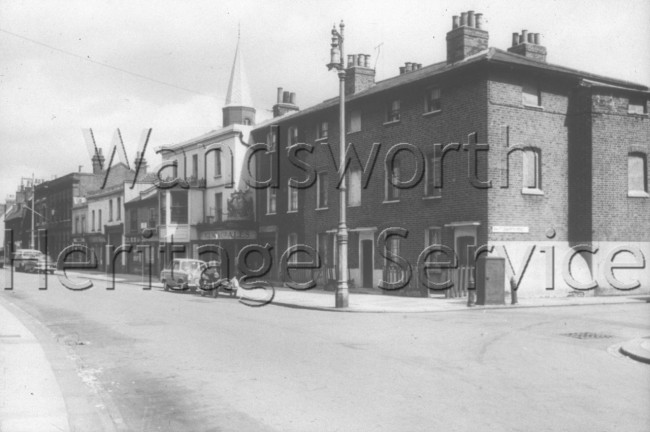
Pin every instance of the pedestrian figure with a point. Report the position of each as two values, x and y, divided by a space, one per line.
513 290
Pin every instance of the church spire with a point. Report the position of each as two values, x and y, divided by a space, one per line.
239 104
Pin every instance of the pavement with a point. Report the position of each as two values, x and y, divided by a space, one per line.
30 397
372 300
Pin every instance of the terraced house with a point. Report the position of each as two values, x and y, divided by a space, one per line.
489 146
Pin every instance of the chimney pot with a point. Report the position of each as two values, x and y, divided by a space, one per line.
366 62
454 22
409 66
279 94
292 98
479 21
286 97
524 36
515 39
536 38
402 69
463 19
531 38
360 59
350 60
470 19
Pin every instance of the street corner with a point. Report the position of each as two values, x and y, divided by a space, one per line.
637 349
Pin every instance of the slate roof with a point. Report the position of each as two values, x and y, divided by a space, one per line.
491 55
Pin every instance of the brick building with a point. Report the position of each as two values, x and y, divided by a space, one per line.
533 159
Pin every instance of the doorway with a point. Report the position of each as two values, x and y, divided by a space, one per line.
366 259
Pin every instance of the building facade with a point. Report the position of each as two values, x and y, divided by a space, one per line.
488 147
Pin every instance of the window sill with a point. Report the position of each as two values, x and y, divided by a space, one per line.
321 139
392 122
637 194
271 214
393 201
428 197
532 191
292 211
353 205
354 131
534 107
431 113
322 208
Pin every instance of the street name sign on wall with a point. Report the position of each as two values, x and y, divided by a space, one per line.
229 235
510 229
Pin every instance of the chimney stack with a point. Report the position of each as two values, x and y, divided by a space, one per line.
142 162
528 45
467 36
359 75
98 161
285 103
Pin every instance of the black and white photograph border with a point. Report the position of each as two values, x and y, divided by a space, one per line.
186 245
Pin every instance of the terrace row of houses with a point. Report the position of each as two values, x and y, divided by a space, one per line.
545 165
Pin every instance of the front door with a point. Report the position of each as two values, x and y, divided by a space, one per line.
366 263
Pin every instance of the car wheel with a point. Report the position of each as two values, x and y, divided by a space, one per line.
165 286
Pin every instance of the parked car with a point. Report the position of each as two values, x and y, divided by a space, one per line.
33 261
183 274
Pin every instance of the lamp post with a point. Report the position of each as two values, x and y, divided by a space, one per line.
337 62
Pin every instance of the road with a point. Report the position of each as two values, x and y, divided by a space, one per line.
138 360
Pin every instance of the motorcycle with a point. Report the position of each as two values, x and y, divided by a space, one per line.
211 283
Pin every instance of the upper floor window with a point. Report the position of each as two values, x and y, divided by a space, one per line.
392 177
133 220
532 175
93 220
217 163
322 190
118 208
354 120
271 200
637 106
322 130
99 221
354 187
432 100
83 224
179 207
637 175
433 163
293 199
110 210
272 138
76 225
292 136
393 111
530 95
218 206
195 166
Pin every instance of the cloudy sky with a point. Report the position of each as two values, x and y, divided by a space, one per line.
68 65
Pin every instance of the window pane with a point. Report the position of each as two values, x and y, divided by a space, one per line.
354 187
355 121
323 187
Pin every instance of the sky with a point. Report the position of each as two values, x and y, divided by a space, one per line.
165 65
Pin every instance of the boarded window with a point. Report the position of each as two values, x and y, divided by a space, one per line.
530 95
637 173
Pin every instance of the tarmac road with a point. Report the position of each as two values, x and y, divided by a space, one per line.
159 361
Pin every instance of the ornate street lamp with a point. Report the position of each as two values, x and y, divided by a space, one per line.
337 62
